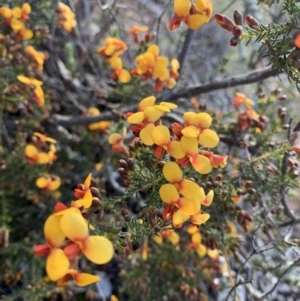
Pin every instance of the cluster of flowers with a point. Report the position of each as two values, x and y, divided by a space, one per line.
112 49
248 117
151 65
16 19
100 125
67 234
194 14
66 18
42 150
182 197
236 26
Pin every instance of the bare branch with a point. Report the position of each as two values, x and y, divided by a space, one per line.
234 287
248 78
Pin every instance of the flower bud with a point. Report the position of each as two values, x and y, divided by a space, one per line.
235 41
122 163
224 22
95 192
237 30
251 22
238 18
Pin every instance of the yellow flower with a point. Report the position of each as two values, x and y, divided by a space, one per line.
35 156
38 57
112 47
122 74
100 125
194 14
66 18
168 234
48 182
192 195
38 96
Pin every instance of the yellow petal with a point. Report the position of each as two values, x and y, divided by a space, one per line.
84 279
16 24
17 12
54 184
26 8
23 79
196 21
168 105
182 8
98 249
204 6
199 219
158 238
42 182
93 111
175 65
31 150
209 198
116 63
162 108
190 132
191 190
161 135
189 206
74 226
169 194
201 164
5 12
203 120
196 238
174 238
124 76
114 138
57 264
85 202
27 34
193 229
162 62
189 145
201 250
136 118
161 72
87 181
153 49
213 253
175 150
172 172
146 102
52 231
43 158
149 59
179 218
189 118
152 114
146 134
209 138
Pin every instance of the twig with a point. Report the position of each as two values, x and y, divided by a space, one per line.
248 78
234 287
280 277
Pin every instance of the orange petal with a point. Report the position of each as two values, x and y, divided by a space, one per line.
73 225
124 76
208 199
54 184
85 202
57 264
116 63
52 231
172 172
42 250
16 12
169 194
43 158
98 249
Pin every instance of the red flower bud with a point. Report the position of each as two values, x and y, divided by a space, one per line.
237 30
224 22
235 41
251 22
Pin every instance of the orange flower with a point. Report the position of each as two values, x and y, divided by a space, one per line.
35 156
48 182
112 47
135 30
66 18
82 189
241 99
37 57
122 74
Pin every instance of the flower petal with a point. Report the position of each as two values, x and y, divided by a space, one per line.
146 134
196 21
182 8
203 120
42 182
124 76
191 190
152 114
201 164
189 145
87 182
74 226
57 264
199 218
189 118
98 249
136 118
189 206
161 135
208 199
84 279
209 138
174 149
169 105
169 194
172 172
146 102
201 250
190 132
179 218
52 231
174 238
